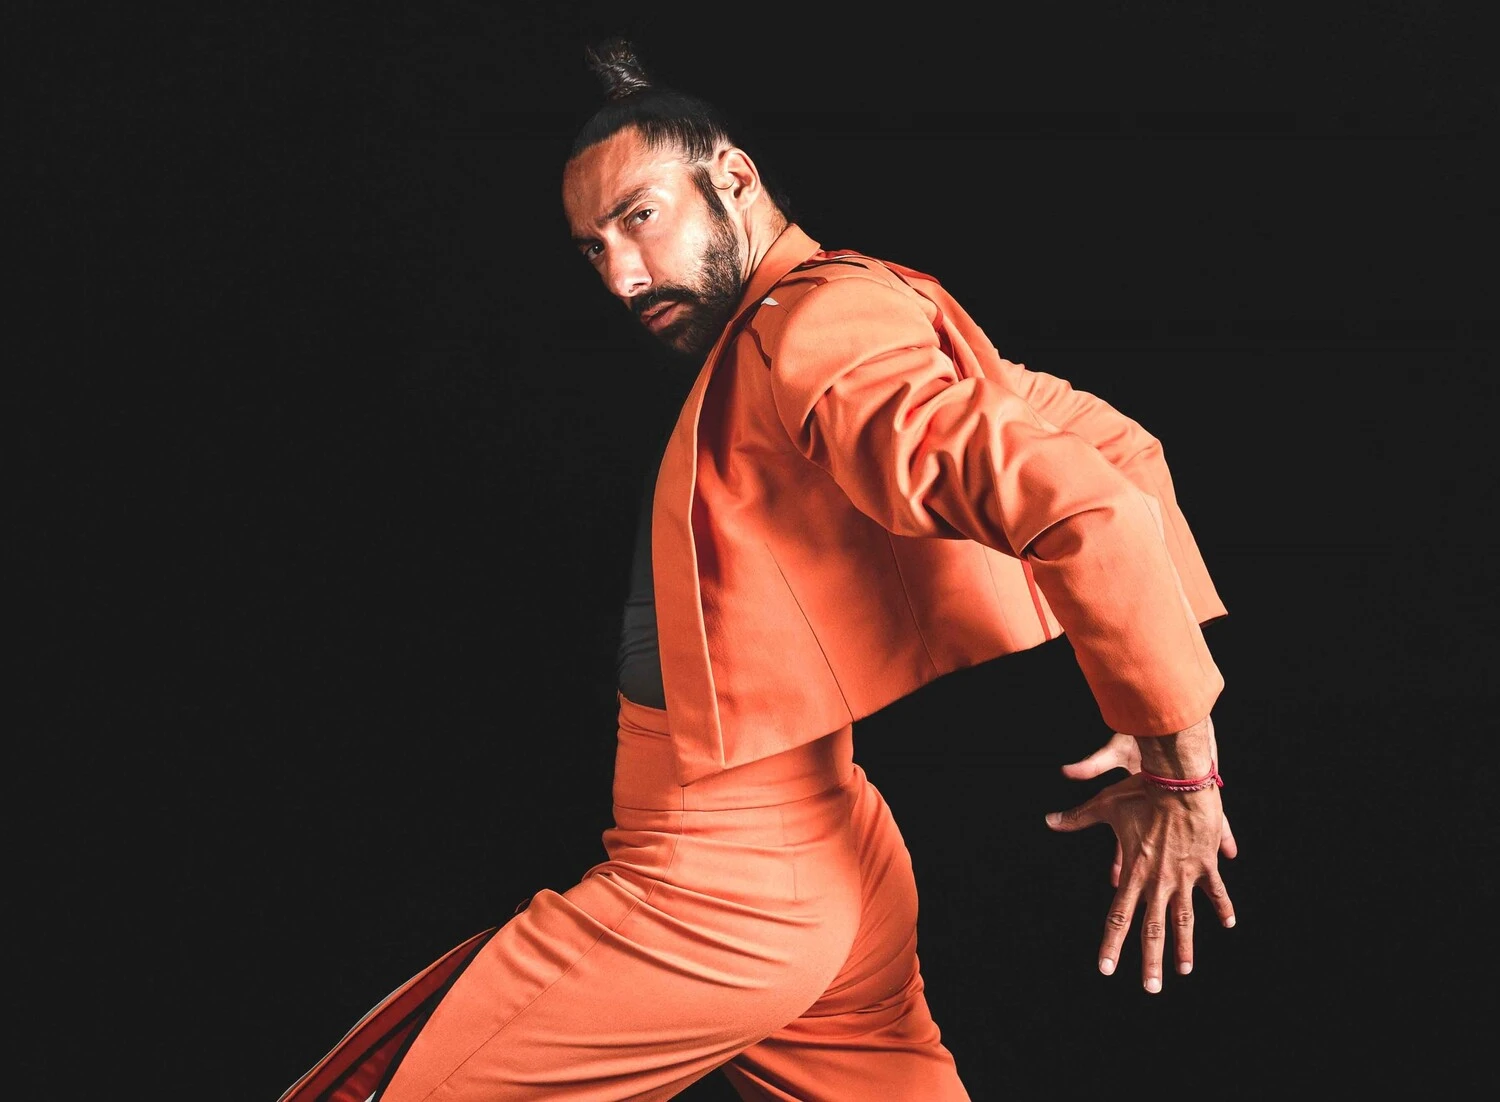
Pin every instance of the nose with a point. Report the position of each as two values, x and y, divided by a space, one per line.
625 273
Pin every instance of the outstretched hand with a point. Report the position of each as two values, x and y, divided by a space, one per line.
1123 752
1166 845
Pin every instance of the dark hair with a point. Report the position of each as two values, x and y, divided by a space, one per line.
666 117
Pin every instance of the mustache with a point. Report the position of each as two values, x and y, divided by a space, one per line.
639 306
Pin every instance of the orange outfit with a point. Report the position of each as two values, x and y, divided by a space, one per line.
859 496
762 919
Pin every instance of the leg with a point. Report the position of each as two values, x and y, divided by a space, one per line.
870 1035
705 932
892 1051
725 910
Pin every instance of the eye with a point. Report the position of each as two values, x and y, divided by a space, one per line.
635 218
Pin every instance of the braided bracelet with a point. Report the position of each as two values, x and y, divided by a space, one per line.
1176 784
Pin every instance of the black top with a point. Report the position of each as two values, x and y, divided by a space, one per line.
638 662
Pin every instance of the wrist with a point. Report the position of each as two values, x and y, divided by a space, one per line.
1210 779
1186 755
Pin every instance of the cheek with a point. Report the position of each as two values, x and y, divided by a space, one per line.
667 263
690 257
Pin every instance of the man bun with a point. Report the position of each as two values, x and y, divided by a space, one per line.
619 70
664 117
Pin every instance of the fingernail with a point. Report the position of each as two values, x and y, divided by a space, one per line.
1229 921
1153 985
1185 967
1053 818
1106 966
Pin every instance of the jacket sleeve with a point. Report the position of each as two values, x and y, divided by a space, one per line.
865 391
1132 451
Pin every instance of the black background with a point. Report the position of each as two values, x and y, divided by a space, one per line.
329 453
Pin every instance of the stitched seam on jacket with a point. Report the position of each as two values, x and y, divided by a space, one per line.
890 542
806 620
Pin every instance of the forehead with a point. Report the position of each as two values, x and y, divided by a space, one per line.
596 180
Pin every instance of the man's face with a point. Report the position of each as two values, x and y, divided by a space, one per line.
665 249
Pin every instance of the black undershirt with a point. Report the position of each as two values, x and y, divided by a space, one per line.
638 662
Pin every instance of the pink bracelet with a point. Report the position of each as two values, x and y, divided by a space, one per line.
1176 784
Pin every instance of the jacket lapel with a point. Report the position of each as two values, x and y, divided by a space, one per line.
687 675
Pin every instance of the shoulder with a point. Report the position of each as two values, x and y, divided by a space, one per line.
843 265
834 291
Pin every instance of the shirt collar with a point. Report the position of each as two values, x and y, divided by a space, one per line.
791 248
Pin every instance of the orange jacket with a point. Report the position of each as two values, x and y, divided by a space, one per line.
861 495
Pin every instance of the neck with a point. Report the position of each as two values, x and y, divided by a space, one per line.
761 232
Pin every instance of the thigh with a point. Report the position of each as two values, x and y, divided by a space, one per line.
638 980
870 1032
893 1051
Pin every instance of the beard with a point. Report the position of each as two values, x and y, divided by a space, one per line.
705 306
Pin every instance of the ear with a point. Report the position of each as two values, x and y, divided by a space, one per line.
737 178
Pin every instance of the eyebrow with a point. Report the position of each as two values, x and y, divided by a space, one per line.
620 207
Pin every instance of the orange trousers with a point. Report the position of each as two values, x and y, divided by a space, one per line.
761 921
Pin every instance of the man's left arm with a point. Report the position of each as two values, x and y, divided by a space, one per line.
1133 451
864 390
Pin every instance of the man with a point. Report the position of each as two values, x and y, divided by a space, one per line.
859 495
